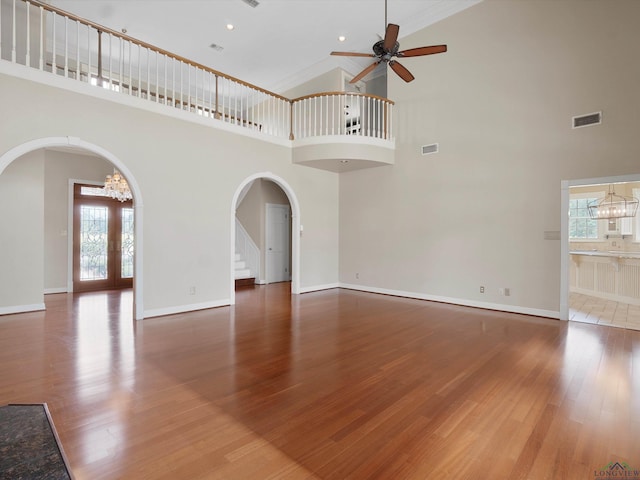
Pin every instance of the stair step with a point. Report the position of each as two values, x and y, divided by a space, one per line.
243 273
245 282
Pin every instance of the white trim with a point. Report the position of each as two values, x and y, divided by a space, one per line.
160 312
36 307
455 301
51 291
295 231
76 143
317 288
389 144
564 230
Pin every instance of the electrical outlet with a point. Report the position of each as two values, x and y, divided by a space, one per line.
505 292
357 275
481 289
192 290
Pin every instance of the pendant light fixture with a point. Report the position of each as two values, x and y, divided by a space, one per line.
613 206
116 187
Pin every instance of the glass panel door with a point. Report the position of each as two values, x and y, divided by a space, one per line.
94 242
126 243
103 255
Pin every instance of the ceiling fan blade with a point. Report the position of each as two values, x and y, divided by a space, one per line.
352 54
402 72
390 37
418 52
365 72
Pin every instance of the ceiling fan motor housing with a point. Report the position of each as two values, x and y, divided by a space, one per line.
379 51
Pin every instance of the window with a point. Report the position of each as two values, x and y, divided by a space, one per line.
581 226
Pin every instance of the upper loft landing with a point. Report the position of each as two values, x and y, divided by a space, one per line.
334 131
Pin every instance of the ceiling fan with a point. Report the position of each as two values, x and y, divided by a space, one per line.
386 49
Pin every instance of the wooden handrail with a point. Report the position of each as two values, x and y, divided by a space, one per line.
328 94
380 106
123 36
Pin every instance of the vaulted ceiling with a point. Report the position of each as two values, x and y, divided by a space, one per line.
277 44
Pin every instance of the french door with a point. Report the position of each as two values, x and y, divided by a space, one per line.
102 241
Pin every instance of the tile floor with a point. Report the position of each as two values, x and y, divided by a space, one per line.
586 309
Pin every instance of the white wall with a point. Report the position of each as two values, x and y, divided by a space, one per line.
499 103
188 174
21 234
59 168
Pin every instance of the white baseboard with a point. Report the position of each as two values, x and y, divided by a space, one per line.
36 307
456 301
159 312
316 288
49 291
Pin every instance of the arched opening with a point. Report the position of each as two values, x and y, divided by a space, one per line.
294 233
71 144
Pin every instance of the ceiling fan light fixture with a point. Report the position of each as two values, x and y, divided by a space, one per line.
387 49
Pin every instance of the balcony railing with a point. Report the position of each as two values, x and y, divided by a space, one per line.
340 113
43 37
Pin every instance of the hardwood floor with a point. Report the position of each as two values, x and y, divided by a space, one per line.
327 385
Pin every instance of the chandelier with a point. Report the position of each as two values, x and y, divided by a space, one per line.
116 187
613 206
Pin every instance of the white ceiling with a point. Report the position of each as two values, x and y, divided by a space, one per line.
277 45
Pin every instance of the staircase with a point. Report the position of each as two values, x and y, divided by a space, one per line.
243 275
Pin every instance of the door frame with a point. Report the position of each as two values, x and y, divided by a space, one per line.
296 231
564 229
71 236
267 228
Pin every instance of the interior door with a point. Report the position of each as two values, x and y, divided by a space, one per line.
102 241
278 240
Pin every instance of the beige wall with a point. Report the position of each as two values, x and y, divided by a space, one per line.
328 82
499 103
188 174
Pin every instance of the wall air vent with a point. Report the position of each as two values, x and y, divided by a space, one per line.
587 120
251 3
428 149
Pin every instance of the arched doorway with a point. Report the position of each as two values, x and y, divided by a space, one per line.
78 145
295 228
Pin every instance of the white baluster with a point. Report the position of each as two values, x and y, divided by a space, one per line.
148 74
28 53
13 36
89 55
110 63
78 62
66 46
41 54
54 68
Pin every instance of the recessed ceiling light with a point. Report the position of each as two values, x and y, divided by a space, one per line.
230 26
342 38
